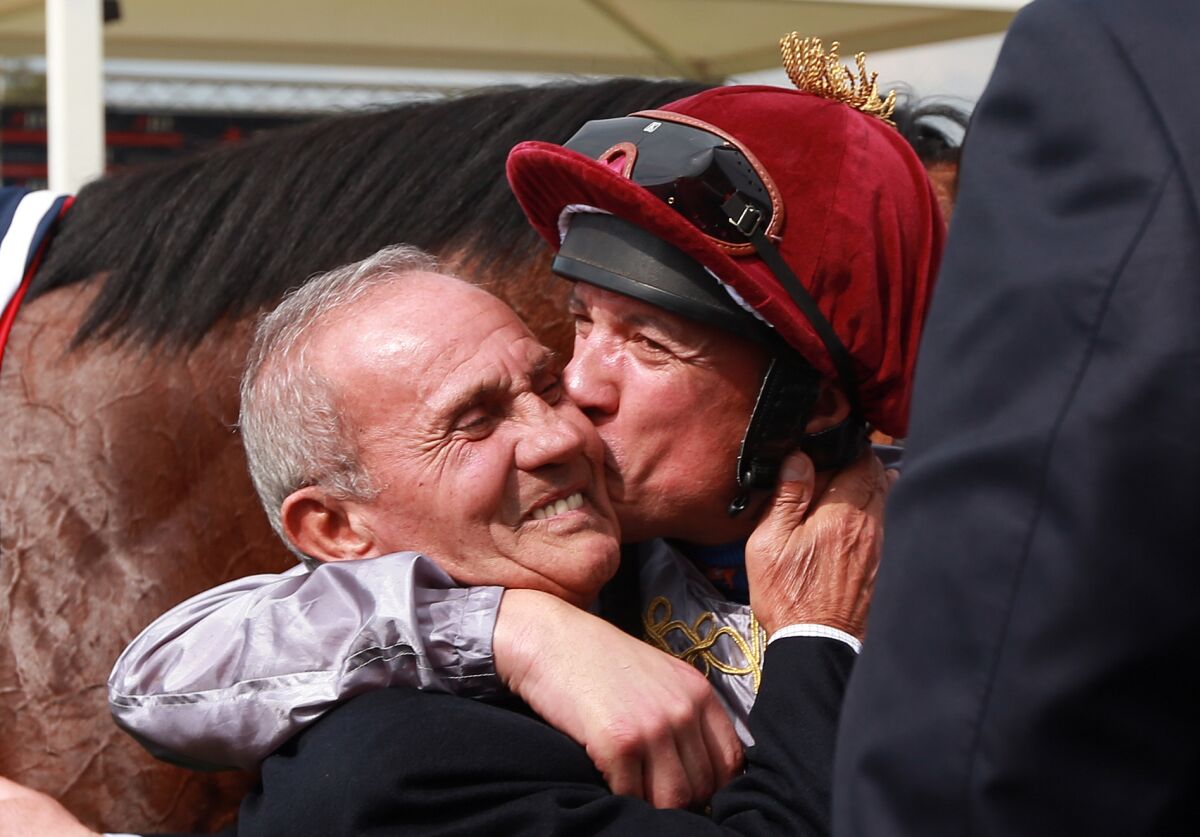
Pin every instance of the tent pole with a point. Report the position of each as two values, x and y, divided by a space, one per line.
74 92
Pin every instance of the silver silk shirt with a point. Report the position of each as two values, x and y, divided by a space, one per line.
225 678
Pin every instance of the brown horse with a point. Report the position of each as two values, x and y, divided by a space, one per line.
124 488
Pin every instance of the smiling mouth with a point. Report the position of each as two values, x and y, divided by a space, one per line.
558 507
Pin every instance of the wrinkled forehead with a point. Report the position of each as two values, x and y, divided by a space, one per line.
503 363
475 350
421 343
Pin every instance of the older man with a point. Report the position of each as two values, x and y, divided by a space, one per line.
700 359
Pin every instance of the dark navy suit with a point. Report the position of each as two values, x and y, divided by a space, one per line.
1032 665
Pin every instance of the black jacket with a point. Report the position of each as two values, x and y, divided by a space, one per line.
1033 665
400 761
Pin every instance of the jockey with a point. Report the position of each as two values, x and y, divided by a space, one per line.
792 234
678 208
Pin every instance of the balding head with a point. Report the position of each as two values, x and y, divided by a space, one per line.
291 423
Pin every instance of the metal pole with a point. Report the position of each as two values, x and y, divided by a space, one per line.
74 92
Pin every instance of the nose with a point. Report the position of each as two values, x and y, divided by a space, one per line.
553 434
591 380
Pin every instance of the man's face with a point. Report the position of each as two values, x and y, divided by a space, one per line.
479 458
671 399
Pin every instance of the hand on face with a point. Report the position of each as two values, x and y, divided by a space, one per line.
813 557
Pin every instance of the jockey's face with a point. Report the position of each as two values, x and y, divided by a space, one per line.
671 398
478 457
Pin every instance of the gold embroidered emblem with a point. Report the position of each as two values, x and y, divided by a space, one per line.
812 71
701 639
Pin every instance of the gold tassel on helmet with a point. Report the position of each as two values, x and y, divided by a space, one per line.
812 71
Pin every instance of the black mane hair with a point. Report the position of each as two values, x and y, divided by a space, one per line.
180 245
183 244
933 126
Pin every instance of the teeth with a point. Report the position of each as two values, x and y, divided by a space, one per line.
558 507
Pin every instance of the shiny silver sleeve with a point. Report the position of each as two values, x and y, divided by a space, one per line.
225 678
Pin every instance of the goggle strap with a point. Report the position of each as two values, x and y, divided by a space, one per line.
747 218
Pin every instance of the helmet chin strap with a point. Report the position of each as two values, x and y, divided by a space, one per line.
785 401
784 406
790 387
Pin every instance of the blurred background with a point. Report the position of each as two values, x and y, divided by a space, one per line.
93 85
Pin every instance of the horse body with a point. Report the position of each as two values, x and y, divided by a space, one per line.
123 484
124 492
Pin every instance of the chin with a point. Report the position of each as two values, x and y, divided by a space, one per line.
604 564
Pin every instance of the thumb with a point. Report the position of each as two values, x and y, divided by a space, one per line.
796 487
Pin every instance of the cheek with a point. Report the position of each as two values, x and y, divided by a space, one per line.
649 417
718 422
660 399
483 486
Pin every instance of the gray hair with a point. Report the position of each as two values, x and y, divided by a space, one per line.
292 426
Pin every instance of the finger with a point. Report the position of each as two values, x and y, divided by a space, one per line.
624 776
797 470
664 777
879 492
796 486
723 745
697 761
857 484
891 474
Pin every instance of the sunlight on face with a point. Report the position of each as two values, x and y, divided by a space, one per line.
481 460
671 398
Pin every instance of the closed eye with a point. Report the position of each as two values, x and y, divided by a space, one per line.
551 390
475 422
583 324
651 344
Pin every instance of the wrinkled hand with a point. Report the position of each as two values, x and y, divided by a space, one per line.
25 812
813 557
650 723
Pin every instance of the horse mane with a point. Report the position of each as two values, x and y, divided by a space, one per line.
933 126
180 245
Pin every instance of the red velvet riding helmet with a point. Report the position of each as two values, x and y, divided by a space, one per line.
764 186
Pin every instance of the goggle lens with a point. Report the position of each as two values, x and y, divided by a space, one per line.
691 170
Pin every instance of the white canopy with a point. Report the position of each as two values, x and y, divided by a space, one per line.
703 39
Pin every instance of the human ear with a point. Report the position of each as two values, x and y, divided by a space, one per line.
325 527
830 409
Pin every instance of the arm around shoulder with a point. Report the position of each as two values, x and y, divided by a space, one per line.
226 677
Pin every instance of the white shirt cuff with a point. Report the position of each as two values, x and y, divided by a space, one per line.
816 630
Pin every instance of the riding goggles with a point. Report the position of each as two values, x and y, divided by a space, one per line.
692 167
